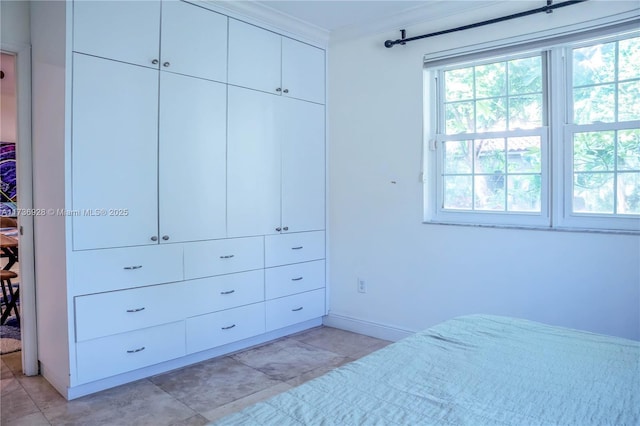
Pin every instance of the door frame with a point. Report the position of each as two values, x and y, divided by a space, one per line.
28 328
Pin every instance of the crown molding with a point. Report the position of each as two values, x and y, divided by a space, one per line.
270 19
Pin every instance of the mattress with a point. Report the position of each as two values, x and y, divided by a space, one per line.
471 370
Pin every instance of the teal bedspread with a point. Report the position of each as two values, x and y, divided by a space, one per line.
472 370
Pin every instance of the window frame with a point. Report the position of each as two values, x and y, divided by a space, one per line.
556 146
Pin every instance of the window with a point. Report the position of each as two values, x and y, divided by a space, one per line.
508 147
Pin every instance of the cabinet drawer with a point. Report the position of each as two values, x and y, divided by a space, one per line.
219 328
96 271
212 294
124 352
103 314
294 309
217 257
292 279
293 248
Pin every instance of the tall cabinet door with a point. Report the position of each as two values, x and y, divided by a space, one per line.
254 57
192 177
194 41
253 163
114 153
303 165
127 31
302 71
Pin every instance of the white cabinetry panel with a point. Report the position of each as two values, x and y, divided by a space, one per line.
108 356
96 271
209 258
294 309
213 294
194 41
114 153
192 178
253 163
293 248
291 279
254 57
303 165
303 71
219 328
126 31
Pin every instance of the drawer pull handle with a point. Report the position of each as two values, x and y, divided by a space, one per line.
229 327
296 248
129 268
297 309
296 279
227 292
136 310
229 256
133 351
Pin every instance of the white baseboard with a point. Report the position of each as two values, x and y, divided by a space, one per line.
380 331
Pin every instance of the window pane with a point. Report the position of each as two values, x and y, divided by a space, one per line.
628 193
525 112
629 57
525 193
593 193
459 118
491 80
491 115
594 64
489 155
524 154
629 149
457 157
458 84
525 75
593 151
591 104
458 192
489 192
629 101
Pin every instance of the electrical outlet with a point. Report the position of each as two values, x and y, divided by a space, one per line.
362 286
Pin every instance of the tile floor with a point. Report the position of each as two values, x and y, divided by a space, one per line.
190 396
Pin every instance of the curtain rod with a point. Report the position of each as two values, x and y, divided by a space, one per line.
546 9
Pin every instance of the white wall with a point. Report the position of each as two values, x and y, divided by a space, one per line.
418 275
14 22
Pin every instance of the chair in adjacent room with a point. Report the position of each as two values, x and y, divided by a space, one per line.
10 296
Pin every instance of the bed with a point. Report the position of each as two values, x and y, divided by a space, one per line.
471 370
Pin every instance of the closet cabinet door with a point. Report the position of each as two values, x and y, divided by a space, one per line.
127 31
254 57
114 153
253 162
303 165
194 41
303 71
192 178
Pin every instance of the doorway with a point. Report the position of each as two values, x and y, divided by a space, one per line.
16 198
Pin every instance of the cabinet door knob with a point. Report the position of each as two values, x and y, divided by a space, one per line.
154 238
228 327
133 351
165 237
279 90
297 309
286 228
155 62
278 229
286 90
166 64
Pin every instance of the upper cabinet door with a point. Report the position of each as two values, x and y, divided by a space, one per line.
254 57
194 41
193 120
114 154
127 31
303 71
301 129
